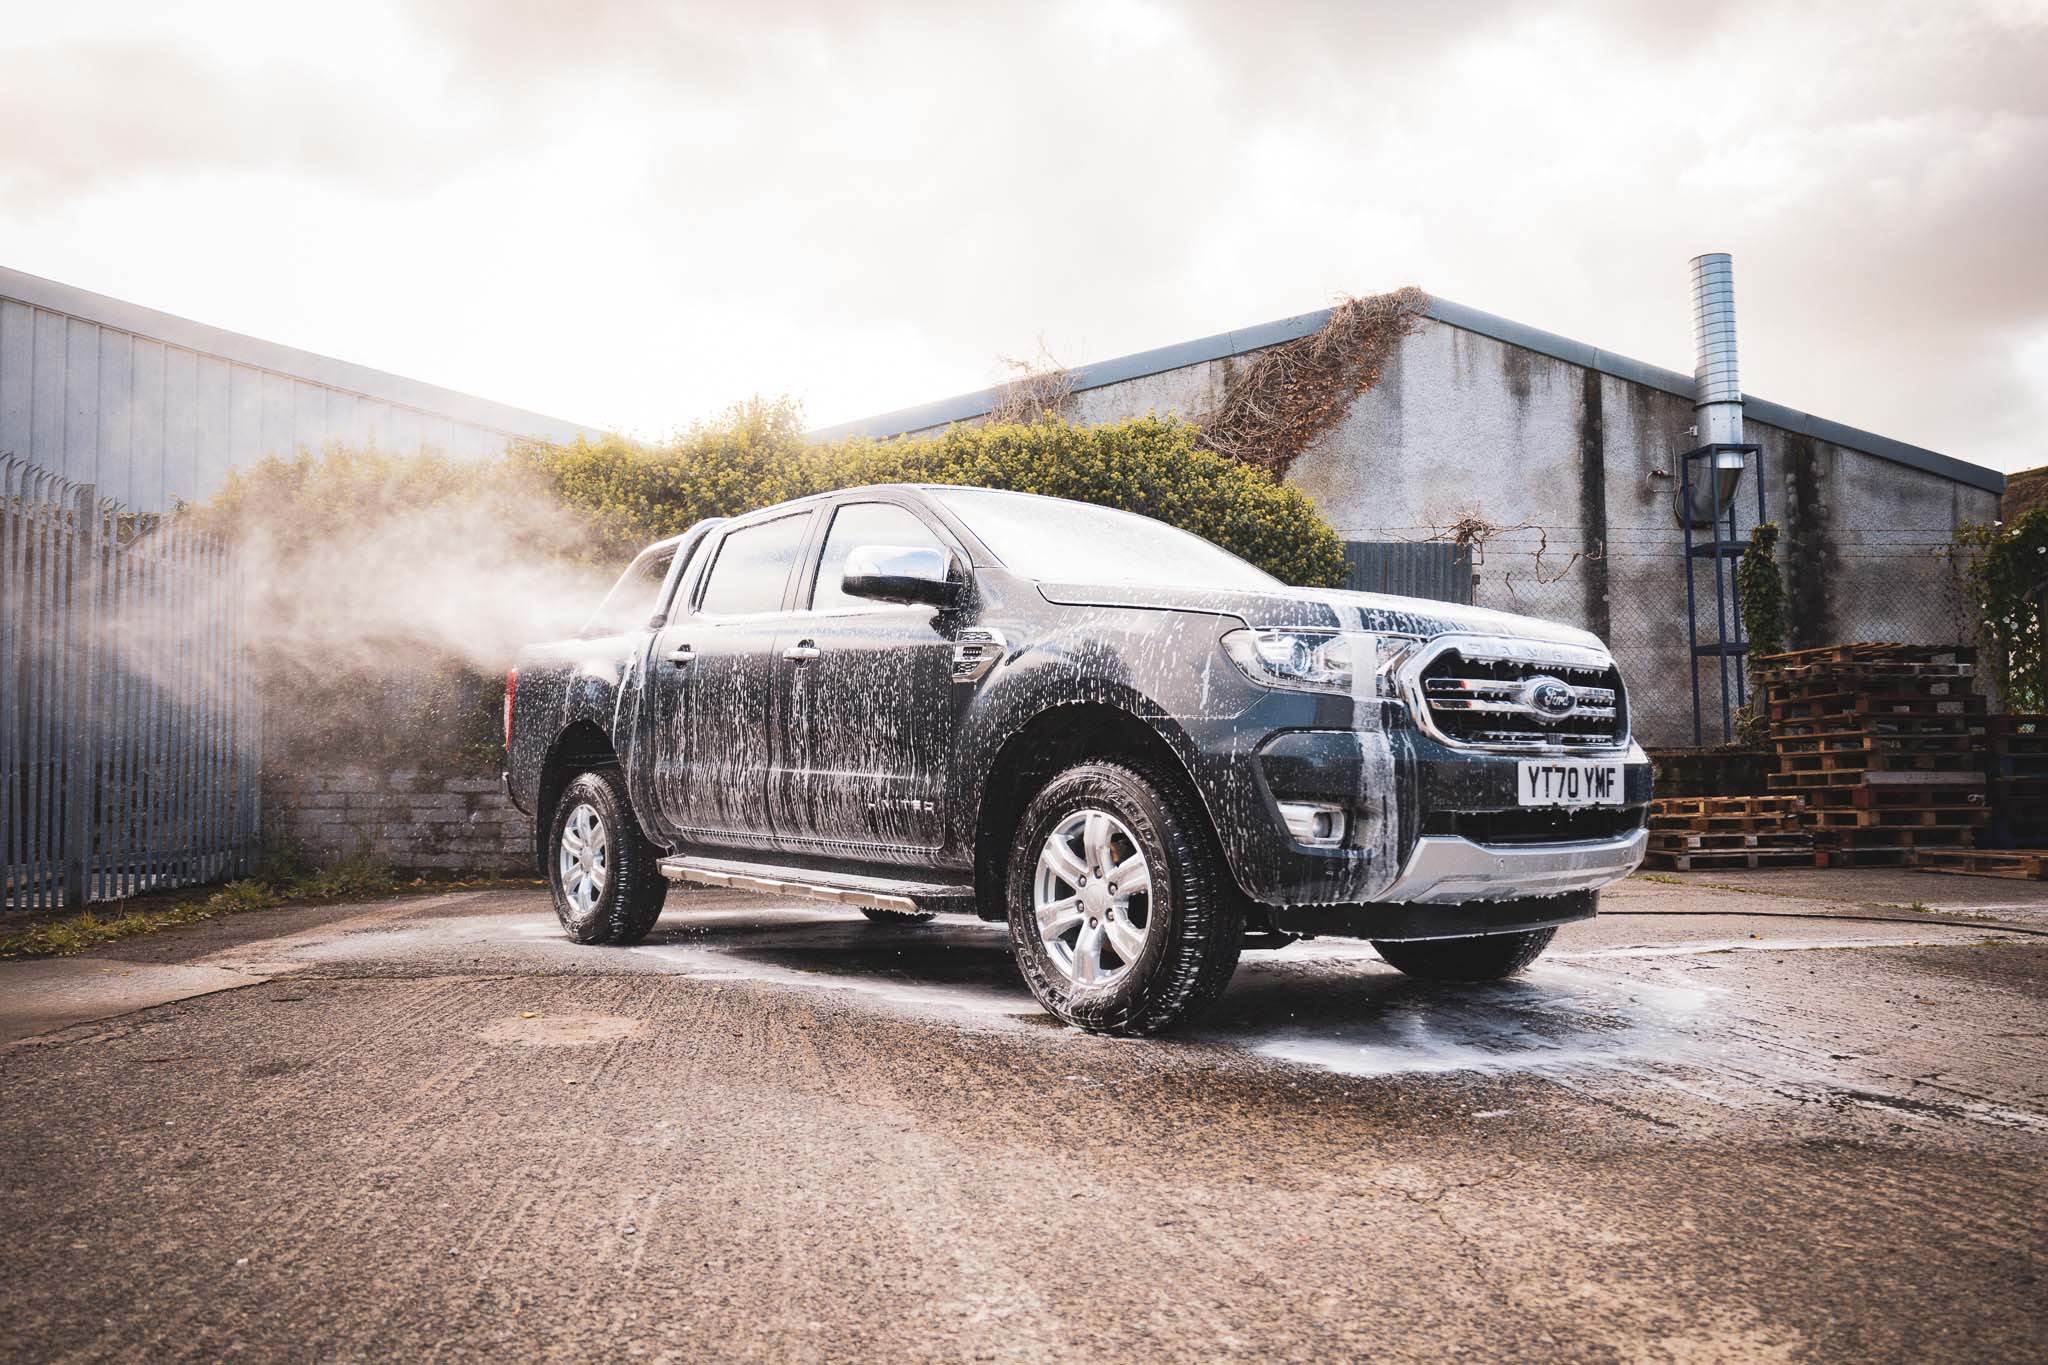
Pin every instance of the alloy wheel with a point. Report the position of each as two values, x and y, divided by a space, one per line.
1093 898
584 865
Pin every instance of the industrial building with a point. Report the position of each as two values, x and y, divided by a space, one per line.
148 407
1551 468
1489 462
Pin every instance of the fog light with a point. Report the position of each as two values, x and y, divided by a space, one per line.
1314 824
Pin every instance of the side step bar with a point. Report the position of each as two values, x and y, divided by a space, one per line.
873 893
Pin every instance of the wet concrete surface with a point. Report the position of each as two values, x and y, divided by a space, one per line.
1760 1122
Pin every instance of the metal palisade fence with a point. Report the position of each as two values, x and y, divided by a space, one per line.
129 722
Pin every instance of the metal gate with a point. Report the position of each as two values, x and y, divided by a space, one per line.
1424 568
128 717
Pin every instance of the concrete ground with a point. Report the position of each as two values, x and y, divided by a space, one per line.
1781 1115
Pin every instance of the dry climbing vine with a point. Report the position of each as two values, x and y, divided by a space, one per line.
1290 394
1036 389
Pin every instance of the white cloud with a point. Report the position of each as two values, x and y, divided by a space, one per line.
635 212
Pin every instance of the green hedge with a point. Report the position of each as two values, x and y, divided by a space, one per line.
758 455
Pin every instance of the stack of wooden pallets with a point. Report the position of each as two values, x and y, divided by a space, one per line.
1699 833
2017 765
1884 742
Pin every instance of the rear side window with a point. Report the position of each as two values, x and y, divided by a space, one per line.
858 524
633 599
752 568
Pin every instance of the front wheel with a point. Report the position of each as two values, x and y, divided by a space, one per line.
1489 957
601 868
1123 918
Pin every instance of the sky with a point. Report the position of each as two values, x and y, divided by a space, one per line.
632 214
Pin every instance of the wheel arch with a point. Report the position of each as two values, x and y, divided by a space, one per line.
1046 743
581 747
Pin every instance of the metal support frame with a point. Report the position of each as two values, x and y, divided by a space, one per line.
1729 641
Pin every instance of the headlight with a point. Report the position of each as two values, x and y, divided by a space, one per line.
1318 660
1308 660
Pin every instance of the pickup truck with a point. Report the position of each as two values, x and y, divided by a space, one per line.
1140 752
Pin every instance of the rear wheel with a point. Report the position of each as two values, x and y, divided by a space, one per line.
1123 918
602 869
1490 957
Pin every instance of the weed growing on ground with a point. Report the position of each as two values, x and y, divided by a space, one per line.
356 878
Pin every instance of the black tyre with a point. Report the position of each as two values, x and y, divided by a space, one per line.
897 916
1123 918
601 867
1490 957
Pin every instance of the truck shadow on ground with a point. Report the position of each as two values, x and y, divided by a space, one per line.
1329 1003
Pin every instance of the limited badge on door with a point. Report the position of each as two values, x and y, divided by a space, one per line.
1569 782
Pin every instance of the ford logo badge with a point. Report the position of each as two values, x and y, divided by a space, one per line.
1549 698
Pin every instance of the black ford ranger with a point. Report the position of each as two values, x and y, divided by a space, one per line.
1140 751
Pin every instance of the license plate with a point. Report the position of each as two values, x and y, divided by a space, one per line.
1569 782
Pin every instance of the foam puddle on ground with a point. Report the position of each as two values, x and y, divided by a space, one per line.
1611 1019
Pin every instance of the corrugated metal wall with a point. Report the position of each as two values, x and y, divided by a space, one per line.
1431 569
113 395
130 736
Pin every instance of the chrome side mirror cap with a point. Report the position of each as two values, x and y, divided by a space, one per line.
901 573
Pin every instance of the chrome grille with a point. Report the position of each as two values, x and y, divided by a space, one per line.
1516 695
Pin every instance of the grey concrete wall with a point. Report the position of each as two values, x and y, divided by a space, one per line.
148 407
1577 467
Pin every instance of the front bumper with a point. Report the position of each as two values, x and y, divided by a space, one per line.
1449 870
1433 824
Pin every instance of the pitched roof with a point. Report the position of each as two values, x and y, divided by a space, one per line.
967 406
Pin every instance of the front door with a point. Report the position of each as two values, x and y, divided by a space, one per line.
712 776
868 702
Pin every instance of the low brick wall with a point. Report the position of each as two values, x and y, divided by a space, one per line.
415 820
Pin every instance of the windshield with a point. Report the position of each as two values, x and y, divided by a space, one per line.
1056 541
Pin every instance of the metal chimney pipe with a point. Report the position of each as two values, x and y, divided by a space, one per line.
1717 387
1717 394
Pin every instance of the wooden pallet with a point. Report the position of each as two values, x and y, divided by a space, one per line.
2019 727
1865 741
1804 782
1874 651
1830 705
1723 824
1904 728
1876 760
1724 860
1669 841
1897 817
1862 857
2025 864
1866 796
1894 836
1724 805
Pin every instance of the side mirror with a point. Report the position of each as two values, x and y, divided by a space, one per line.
901 573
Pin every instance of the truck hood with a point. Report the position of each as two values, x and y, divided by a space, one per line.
1322 609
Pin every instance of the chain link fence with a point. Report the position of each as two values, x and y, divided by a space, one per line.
1903 585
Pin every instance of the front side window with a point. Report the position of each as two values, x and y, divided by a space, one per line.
634 599
1056 541
752 568
858 524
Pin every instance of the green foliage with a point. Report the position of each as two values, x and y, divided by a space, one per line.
351 878
1760 591
757 455
2005 574
340 488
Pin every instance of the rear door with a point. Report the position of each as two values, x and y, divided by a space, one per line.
868 703
712 783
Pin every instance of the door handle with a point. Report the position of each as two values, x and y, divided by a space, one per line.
801 653
681 654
